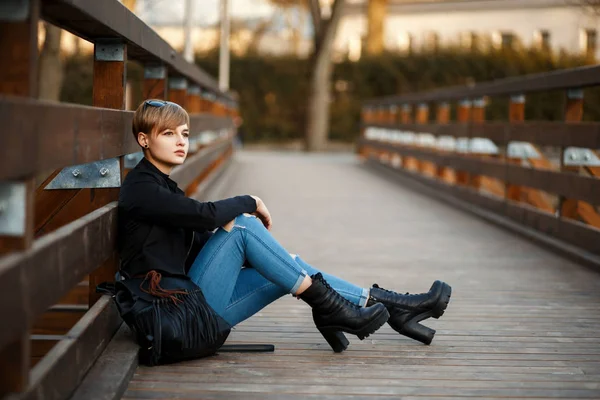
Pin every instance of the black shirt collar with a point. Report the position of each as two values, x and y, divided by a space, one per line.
146 164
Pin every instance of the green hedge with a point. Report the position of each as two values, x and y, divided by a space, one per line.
273 90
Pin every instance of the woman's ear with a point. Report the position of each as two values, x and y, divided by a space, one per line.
142 139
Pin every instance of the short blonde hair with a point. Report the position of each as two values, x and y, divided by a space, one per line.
151 119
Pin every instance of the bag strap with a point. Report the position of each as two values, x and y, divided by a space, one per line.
107 288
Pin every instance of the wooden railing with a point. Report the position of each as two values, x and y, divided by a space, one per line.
541 174
57 244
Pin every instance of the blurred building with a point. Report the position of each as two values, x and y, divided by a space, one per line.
425 24
410 25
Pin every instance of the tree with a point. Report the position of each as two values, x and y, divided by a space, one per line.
50 70
376 13
320 68
317 123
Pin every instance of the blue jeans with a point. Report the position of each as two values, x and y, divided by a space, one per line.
242 271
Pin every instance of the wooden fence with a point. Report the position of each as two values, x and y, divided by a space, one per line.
57 244
541 174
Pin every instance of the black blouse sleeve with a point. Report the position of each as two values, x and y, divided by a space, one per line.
147 200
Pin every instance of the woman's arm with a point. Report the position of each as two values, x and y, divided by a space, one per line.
146 199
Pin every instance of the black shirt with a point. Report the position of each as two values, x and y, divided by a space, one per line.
162 229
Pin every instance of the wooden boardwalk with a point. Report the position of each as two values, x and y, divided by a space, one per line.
522 322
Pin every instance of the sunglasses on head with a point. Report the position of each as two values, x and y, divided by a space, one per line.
156 103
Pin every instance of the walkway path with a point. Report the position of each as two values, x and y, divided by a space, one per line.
522 323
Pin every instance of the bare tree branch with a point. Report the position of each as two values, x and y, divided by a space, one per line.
315 13
329 26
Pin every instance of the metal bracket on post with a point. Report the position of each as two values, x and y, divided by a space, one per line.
425 140
98 174
109 50
577 156
194 90
177 83
462 145
14 10
194 143
132 159
12 208
155 72
575 94
522 150
517 99
479 102
482 146
466 103
209 95
407 137
447 143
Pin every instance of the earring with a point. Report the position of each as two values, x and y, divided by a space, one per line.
146 146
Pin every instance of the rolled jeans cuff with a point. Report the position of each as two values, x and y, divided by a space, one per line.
296 286
364 297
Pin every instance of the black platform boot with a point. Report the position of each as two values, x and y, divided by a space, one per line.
407 310
333 314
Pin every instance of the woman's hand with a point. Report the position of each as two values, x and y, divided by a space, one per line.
262 213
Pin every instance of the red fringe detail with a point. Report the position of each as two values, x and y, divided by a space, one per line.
156 290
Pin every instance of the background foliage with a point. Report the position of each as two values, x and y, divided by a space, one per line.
272 90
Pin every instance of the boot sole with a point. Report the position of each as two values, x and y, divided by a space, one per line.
334 335
414 330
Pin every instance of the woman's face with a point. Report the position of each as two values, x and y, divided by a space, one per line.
169 147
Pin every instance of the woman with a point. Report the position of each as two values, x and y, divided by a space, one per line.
226 249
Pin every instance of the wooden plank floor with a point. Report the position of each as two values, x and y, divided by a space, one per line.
522 322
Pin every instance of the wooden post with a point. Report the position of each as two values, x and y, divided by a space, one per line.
178 90
422 117
516 114
442 117
363 151
110 60
155 82
18 77
218 107
393 115
463 115
406 117
226 107
532 196
193 99
364 114
477 116
209 102
380 115
568 208
395 160
193 107
56 208
205 100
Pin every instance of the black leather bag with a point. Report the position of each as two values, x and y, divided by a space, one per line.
172 324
